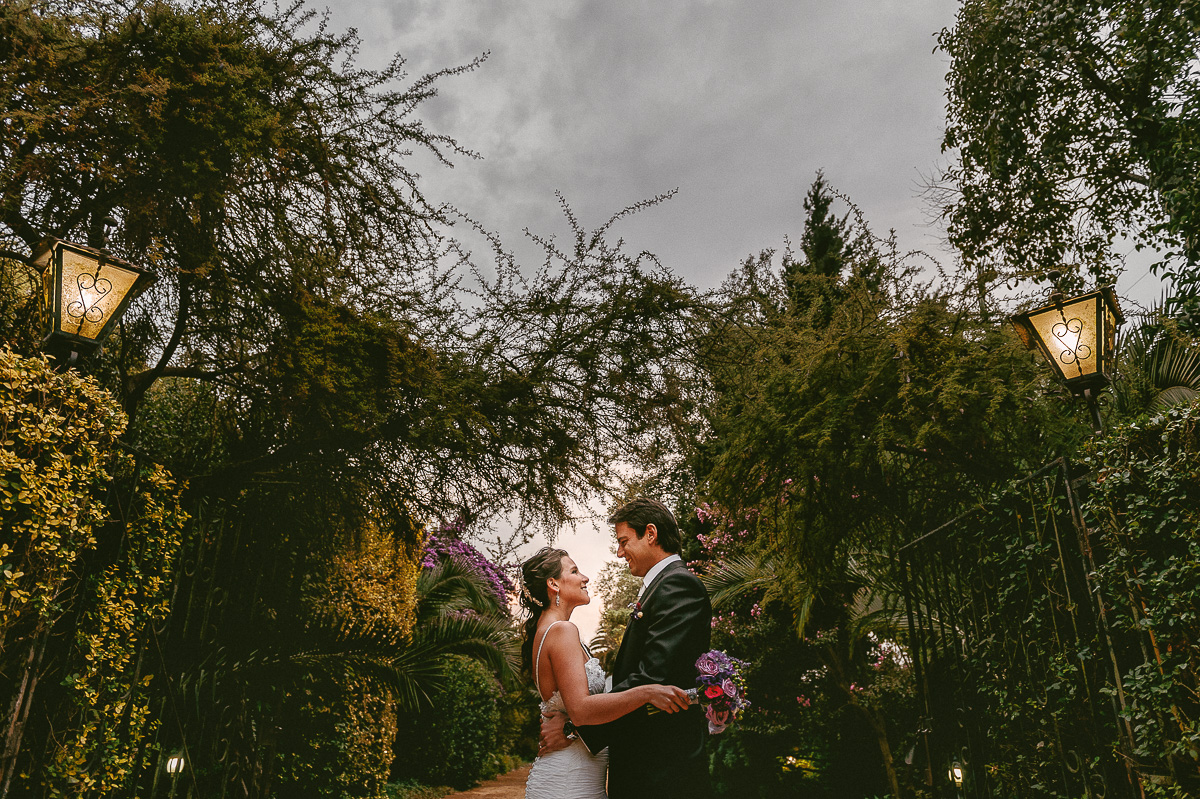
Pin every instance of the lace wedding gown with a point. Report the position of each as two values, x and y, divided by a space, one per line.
571 773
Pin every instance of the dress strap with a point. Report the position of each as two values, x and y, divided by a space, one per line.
537 661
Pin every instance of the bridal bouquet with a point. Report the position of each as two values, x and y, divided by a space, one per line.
720 689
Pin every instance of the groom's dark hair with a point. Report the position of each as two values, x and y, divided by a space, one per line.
641 512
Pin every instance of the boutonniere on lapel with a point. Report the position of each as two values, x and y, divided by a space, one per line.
635 611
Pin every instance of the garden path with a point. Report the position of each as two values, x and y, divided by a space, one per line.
508 786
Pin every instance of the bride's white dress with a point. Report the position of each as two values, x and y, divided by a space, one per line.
571 773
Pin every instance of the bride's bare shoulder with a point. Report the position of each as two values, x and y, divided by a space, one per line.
559 630
559 635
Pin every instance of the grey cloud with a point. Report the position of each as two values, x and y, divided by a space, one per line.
737 104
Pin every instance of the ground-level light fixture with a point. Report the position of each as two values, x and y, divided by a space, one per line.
956 774
1078 337
84 291
174 767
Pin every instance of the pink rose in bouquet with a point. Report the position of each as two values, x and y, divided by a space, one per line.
718 720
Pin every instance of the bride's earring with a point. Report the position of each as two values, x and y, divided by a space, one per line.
557 600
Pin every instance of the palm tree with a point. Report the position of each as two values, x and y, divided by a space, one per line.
1158 366
456 613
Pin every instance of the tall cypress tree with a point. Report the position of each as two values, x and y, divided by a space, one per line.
814 281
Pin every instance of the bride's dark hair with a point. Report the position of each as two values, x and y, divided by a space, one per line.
545 564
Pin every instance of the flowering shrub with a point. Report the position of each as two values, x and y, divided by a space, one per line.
90 541
446 543
723 533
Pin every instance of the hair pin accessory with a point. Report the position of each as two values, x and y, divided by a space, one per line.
532 599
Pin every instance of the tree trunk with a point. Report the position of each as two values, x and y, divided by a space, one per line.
19 712
885 747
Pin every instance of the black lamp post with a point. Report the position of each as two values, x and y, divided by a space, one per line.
1078 337
85 291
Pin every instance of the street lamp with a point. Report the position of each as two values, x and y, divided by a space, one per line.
1077 336
85 291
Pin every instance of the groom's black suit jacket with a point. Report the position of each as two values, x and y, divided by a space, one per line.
660 755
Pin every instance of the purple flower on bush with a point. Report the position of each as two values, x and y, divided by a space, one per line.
445 543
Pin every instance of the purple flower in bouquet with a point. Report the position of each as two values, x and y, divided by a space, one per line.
720 688
709 664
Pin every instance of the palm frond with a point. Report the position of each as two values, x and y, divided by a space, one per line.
802 610
1174 370
1170 397
457 614
450 587
737 576
1158 367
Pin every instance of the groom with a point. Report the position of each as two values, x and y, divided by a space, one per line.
653 755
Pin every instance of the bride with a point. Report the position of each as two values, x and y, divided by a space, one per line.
570 680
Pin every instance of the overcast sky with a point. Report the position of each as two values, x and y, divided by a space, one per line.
735 104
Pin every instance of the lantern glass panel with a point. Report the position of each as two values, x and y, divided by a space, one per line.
1070 338
48 298
91 292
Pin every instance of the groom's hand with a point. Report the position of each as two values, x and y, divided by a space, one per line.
552 738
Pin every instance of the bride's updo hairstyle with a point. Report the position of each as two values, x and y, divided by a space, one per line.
545 564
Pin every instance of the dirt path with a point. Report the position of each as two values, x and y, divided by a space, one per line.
509 786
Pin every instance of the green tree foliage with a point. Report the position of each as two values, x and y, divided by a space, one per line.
318 359
846 420
866 430
453 744
831 251
303 275
1146 505
1071 123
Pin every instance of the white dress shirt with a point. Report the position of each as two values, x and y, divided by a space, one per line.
656 570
